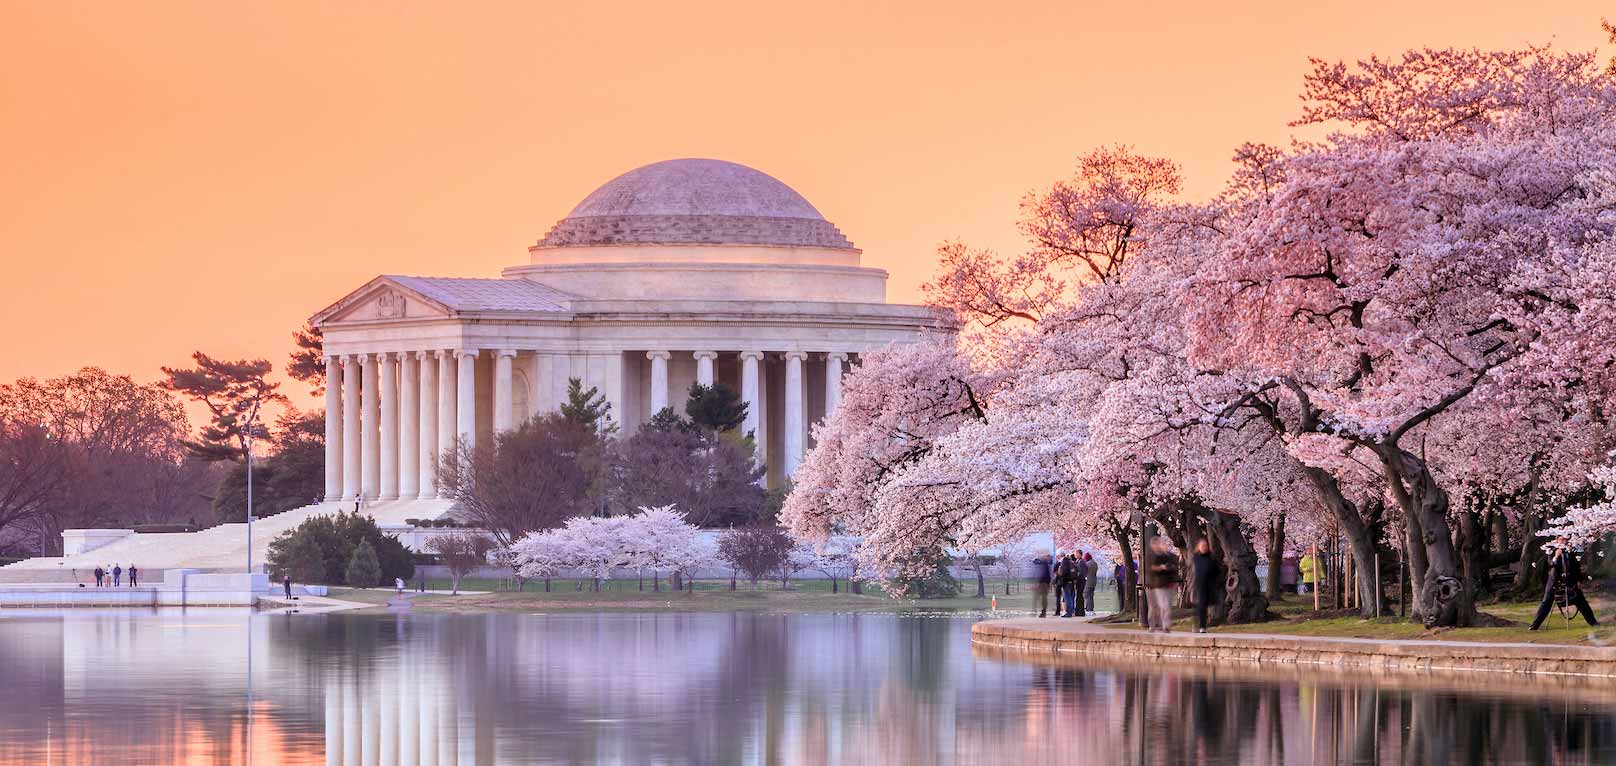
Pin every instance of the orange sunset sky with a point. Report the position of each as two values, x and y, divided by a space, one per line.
206 175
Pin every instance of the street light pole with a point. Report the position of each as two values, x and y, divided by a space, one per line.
251 421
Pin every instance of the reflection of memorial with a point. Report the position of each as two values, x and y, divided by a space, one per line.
403 712
102 687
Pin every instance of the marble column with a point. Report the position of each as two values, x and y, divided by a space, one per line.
796 412
750 382
427 443
834 362
659 380
409 426
704 366
333 429
350 428
370 447
389 403
466 390
504 418
448 401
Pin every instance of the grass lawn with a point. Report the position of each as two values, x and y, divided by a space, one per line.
1297 618
709 595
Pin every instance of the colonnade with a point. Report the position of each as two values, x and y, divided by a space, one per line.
390 415
421 403
796 406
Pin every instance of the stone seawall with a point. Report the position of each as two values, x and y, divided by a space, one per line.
179 587
1032 637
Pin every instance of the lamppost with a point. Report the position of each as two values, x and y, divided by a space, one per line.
250 426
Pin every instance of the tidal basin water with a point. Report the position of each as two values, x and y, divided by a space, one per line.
106 687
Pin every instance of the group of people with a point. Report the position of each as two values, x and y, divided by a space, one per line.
1072 577
112 577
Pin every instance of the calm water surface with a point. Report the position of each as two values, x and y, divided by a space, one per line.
103 687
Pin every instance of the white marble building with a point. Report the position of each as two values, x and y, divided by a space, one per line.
682 271
678 272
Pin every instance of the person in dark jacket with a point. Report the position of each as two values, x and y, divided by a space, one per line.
100 574
1041 576
1565 572
1208 579
1116 574
1064 587
1076 580
134 577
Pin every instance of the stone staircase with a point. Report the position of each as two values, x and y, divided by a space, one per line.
218 549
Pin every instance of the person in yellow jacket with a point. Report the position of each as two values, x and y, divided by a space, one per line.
1307 569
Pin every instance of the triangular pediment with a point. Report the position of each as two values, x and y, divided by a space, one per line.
382 300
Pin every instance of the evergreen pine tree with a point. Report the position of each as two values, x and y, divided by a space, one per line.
364 569
716 407
588 408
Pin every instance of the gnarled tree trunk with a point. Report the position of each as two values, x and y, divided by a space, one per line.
1276 558
1444 598
1246 602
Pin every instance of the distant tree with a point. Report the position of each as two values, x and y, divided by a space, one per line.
234 392
122 446
336 537
34 472
755 551
711 477
363 570
304 562
977 561
715 408
528 479
307 360
460 553
798 558
926 574
588 407
292 476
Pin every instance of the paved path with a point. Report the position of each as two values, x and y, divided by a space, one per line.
1034 635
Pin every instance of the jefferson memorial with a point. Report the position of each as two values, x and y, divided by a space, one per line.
679 272
685 271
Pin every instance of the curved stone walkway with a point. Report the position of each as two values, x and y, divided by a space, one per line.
1034 636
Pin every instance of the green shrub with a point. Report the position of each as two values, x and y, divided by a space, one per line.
335 539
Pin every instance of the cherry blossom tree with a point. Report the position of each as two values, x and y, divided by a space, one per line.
1399 266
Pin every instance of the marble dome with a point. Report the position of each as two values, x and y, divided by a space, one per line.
695 202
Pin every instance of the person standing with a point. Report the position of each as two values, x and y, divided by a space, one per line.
1091 573
286 585
99 575
1041 576
1079 582
117 575
1208 576
1307 573
1565 573
1161 584
1117 572
134 577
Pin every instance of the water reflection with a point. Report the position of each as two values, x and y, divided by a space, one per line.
102 687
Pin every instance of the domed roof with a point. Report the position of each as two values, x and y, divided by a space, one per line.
695 201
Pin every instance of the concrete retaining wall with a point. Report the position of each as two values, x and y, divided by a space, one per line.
180 587
1027 636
